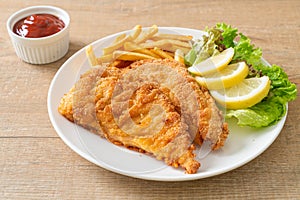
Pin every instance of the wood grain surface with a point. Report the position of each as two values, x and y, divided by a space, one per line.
36 164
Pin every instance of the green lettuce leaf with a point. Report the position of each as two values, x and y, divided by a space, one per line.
228 34
190 57
280 84
204 48
265 113
245 51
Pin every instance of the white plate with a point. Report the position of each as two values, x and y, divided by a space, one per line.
242 145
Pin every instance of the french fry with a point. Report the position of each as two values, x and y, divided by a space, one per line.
120 37
136 32
179 56
173 48
179 43
157 54
110 49
161 53
129 46
91 56
165 43
167 52
170 53
146 34
147 52
105 58
160 36
143 44
160 44
130 56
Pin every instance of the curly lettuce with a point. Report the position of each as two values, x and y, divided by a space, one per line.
204 48
228 34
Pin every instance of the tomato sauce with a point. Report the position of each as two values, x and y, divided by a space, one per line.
38 25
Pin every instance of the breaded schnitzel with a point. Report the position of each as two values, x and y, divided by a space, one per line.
153 106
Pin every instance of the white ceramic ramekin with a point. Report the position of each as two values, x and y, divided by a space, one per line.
40 50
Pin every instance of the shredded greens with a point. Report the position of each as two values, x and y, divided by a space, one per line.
204 48
271 109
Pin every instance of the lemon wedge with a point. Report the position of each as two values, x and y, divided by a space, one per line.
243 95
227 77
213 64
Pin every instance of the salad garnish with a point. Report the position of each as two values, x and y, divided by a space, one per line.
273 107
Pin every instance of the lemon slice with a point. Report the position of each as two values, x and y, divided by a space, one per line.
213 64
227 77
243 95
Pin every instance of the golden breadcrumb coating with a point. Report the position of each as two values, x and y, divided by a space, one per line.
129 107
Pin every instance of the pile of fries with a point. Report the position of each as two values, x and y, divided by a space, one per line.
143 44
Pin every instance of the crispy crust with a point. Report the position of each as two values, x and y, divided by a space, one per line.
173 143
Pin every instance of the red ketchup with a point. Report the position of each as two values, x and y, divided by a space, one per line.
38 25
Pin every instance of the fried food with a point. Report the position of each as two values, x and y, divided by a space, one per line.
144 36
153 106
147 42
91 56
179 56
130 56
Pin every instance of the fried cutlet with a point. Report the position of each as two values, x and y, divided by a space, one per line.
153 106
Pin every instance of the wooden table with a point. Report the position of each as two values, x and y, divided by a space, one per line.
36 164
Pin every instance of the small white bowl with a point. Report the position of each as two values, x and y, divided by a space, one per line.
44 49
